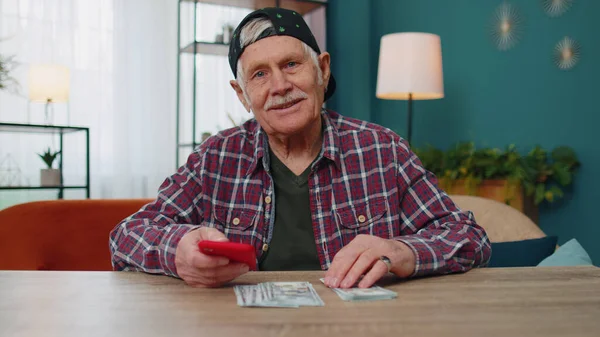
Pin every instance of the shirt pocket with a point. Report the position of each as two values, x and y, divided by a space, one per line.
362 214
235 219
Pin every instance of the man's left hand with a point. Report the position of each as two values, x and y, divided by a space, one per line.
362 257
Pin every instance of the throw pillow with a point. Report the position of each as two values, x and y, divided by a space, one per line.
569 254
525 253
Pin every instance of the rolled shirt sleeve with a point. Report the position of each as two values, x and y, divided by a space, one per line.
444 238
147 240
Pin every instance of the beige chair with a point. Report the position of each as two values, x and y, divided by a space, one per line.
501 222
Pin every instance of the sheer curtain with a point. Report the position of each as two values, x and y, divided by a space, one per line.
122 57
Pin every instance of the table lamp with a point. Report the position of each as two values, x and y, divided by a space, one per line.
410 68
48 83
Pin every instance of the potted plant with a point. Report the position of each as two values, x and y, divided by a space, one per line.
522 181
49 177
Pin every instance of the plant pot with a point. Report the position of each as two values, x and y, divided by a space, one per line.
49 177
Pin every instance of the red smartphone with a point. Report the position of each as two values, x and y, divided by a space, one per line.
238 252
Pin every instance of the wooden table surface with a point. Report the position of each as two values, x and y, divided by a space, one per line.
485 302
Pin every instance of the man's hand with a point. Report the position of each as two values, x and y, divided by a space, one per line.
200 270
361 257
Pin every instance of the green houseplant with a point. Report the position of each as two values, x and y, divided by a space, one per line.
49 176
542 175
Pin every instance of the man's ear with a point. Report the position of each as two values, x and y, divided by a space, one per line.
240 94
324 63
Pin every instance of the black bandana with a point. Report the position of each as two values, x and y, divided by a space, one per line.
285 22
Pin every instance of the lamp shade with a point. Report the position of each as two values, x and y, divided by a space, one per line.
49 83
410 63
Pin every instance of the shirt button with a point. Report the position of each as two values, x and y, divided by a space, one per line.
268 199
265 247
361 218
236 221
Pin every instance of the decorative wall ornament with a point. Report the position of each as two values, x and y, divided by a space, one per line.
566 53
507 26
556 8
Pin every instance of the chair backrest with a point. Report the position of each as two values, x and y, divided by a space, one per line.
61 234
73 234
501 222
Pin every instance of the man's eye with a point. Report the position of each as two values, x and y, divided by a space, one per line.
259 74
291 64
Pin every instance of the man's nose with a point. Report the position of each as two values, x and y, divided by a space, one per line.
280 83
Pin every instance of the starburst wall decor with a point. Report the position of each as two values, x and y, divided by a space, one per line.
507 26
566 53
556 8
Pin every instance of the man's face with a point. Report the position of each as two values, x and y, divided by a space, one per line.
281 84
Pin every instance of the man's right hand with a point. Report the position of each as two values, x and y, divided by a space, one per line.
200 270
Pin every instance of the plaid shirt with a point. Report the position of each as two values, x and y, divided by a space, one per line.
365 181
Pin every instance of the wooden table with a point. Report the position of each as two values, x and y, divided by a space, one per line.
486 302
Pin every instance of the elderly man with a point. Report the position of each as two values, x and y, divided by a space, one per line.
307 187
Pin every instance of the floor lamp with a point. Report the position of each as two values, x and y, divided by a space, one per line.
410 68
48 83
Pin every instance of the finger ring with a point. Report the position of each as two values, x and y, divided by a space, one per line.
387 262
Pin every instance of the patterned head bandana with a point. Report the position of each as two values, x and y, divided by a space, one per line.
285 22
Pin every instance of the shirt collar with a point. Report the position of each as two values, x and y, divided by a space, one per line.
260 147
331 139
329 149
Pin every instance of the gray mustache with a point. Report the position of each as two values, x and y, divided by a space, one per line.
280 100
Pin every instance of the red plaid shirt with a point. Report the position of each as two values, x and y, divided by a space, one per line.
365 181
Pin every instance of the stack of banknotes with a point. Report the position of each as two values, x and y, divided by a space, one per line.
364 294
277 294
298 294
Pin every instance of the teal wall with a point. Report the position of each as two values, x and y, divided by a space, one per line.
492 97
349 40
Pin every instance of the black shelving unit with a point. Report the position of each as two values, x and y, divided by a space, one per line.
60 130
196 47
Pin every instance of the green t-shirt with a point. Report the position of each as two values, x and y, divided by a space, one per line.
293 244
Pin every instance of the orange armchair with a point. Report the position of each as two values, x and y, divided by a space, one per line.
61 234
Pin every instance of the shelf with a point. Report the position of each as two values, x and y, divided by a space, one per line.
187 145
300 6
40 187
60 130
207 48
38 128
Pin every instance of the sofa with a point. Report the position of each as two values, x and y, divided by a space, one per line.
61 234
73 234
